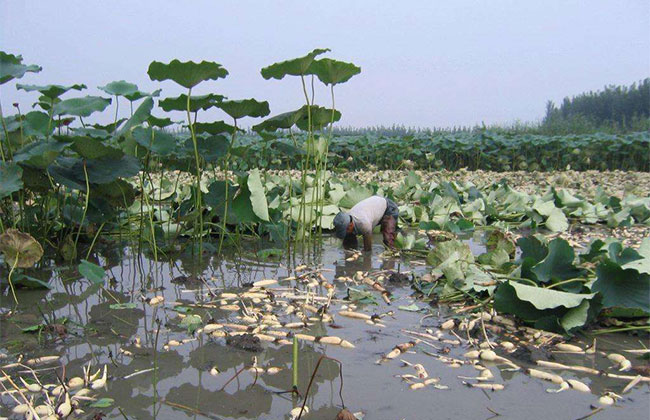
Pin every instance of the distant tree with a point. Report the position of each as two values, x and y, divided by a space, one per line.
620 107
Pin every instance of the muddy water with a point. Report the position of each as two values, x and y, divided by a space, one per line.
182 386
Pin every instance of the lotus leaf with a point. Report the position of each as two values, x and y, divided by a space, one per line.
333 72
92 272
141 114
20 249
293 67
120 88
216 127
50 92
187 74
258 196
12 67
10 178
40 153
156 141
197 103
245 108
81 107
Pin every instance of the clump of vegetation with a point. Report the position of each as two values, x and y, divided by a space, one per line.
615 108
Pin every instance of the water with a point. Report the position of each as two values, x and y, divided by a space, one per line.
184 388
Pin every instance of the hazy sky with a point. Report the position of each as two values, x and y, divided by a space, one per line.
424 63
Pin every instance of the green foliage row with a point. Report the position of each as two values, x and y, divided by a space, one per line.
452 151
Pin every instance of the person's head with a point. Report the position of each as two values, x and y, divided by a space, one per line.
343 225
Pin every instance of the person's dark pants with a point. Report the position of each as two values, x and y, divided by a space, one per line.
389 223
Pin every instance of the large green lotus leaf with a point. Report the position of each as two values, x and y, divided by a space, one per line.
216 127
156 141
216 196
547 309
120 88
96 133
353 196
70 172
40 153
258 196
242 207
558 264
108 128
624 288
293 67
187 74
444 250
141 114
50 91
245 108
12 67
281 121
557 221
36 124
159 122
542 298
36 179
642 265
210 148
137 95
319 116
81 107
532 247
118 193
333 72
92 272
105 170
90 148
20 248
197 102
10 178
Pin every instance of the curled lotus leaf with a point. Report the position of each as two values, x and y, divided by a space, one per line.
285 121
50 91
12 67
333 72
81 107
137 95
187 74
245 108
20 248
216 127
197 102
141 114
294 67
120 88
159 122
319 117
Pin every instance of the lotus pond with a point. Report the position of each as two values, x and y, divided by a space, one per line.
151 271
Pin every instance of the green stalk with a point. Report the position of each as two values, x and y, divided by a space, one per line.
197 204
83 216
226 166
294 364
303 208
13 291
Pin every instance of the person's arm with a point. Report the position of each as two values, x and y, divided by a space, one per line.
367 242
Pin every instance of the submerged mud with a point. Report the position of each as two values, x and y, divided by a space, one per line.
162 364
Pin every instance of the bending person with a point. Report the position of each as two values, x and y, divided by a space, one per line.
364 216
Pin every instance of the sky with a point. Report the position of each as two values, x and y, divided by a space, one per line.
424 63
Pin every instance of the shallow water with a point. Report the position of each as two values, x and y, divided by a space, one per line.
184 388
